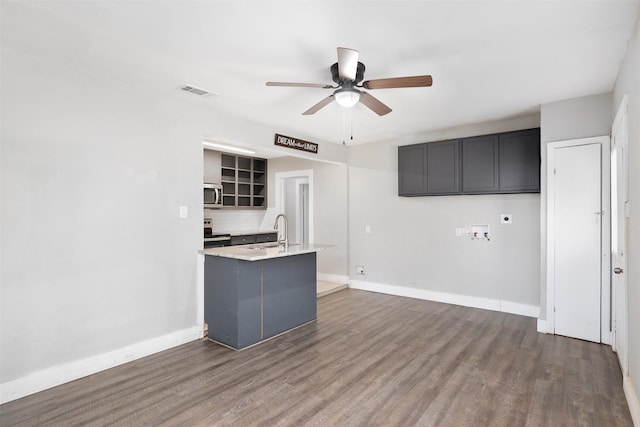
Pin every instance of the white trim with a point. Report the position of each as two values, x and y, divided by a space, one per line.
542 326
605 280
519 308
334 278
56 375
632 399
623 110
605 249
299 209
620 125
200 289
463 300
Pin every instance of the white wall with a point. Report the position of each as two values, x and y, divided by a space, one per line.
94 256
628 83
568 119
413 244
95 259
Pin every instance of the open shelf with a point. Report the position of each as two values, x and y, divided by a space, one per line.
244 182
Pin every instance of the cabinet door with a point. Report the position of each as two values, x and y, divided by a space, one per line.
212 167
412 173
266 237
245 239
480 164
520 161
443 167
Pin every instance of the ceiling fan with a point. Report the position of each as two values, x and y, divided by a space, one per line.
347 73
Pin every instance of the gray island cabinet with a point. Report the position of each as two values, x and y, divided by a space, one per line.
255 292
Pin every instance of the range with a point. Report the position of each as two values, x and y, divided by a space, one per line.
214 240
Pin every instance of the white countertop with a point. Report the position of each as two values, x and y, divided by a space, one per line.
262 251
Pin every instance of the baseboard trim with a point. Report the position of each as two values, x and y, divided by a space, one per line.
543 326
463 300
57 375
632 399
335 278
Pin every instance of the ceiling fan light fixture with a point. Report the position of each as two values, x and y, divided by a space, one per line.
347 97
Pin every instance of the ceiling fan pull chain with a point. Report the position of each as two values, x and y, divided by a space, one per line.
351 120
344 126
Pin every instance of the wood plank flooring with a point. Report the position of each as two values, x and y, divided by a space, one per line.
369 360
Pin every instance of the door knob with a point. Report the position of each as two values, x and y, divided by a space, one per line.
618 270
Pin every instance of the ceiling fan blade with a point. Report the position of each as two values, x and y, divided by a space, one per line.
320 85
374 104
347 63
319 105
396 82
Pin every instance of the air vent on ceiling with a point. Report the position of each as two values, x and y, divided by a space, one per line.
195 90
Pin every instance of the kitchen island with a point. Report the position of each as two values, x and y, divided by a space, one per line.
258 291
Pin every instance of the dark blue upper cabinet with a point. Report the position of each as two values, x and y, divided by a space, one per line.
480 164
489 164
520 161
443 167
412 171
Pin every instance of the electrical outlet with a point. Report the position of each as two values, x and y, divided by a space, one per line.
506 219
360 269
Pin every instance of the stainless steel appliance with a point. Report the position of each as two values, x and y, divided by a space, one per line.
214 240
212 196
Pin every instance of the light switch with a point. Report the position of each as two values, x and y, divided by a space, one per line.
367 229
183 211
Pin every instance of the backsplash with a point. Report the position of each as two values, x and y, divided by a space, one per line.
241 220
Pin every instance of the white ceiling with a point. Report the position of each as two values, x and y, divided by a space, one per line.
490 60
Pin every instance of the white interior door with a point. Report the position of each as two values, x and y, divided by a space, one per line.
577 242
619 203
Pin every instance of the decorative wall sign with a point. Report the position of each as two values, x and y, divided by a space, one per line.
298 144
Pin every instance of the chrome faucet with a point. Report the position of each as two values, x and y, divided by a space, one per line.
285 235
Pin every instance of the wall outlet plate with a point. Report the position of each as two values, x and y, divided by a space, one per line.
506 219
360 269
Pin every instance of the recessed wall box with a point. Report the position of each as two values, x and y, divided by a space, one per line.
480 232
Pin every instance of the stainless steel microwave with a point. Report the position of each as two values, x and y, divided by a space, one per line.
212 196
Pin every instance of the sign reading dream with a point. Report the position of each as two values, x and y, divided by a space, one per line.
298 144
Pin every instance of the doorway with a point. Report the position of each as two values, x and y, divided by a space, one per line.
296 208
578 294
619 215
294 198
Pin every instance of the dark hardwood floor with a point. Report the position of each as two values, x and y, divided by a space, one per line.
370 360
